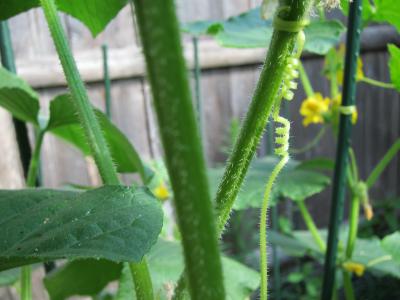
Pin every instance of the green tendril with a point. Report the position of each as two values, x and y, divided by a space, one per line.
282 150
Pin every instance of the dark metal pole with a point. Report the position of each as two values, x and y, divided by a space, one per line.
107 81
8 62
339 179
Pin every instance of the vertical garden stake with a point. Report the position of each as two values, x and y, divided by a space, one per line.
107 81
339 179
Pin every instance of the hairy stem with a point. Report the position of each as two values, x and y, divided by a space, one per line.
281 47
95 137
160 35
377 171
80 98
263 228
311 226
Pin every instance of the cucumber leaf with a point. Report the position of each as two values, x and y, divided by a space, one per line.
83 10
18 97
112 222
64 123
166 264
293 182
394 65
249 30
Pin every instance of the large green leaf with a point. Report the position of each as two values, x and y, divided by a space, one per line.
95 14
391 244
394 65
113 222
249 30
18 98
65 124
387 11
372 254
67 281
294 183
166 264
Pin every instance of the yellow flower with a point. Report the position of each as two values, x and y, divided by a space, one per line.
354 267
340 72
313 108
338 101
161 191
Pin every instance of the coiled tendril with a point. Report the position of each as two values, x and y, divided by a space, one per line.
282 134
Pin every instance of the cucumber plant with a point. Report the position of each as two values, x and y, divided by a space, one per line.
114 229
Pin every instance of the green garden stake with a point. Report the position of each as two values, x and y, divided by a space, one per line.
339 179
8 62
197 83
107 81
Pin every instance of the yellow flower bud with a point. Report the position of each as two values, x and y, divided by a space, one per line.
354 267
368 211
313 108
161 191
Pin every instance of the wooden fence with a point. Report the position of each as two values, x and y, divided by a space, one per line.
228 80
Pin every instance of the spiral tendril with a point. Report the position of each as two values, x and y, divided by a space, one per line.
282 135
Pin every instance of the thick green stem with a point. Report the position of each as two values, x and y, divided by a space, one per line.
348 286
305 81
26 283
263 228
160 35
311 226
95 138
281 47
377 171
377 83
91 125
141 277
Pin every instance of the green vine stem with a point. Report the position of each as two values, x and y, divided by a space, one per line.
160 35
348 286
91 126
377 171
26 283
280 49
80 98
312 143
353 225
305 80
263 228
377 83
311 226
35 160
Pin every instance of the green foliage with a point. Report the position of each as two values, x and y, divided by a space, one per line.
9 277
18 98
81 277
83 10
249 30
23 103
394 65
391 244
294 183
165 263
113 222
